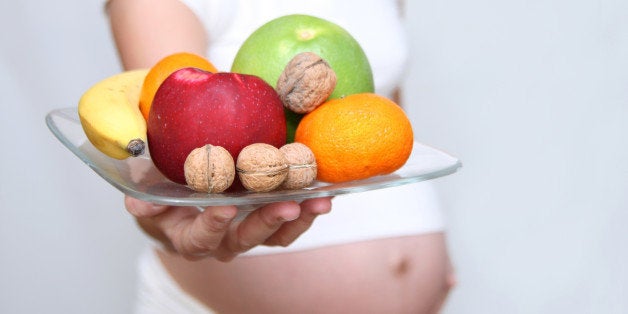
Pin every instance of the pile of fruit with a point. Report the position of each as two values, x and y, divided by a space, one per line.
297 105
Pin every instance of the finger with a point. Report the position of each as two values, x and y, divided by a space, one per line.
319 206
209 228
261 224
193 233
140 208
290 231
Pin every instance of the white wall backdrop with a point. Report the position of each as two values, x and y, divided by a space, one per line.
532 95
66 242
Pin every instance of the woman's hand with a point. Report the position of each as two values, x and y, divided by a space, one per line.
144 32
215 233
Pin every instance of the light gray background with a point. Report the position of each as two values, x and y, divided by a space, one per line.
530 94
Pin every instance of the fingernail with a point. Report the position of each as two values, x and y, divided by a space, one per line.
226 215
292 217
158 207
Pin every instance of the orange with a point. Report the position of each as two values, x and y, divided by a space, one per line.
162 69
357 137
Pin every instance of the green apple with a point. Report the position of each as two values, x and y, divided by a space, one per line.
267 51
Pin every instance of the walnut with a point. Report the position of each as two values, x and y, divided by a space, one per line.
209 169
306 82
261 167
301 165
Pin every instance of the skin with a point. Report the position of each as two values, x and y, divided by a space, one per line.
397 275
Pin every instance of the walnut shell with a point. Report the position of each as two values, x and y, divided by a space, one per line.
306 82
209 169
301 165
261 167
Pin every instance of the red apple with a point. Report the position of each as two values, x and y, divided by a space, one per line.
193 107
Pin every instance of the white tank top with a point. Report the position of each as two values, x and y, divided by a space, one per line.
375 24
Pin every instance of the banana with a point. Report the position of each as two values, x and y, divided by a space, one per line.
110 115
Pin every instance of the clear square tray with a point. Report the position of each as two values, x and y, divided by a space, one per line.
138 177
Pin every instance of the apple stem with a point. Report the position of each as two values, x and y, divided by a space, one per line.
135 147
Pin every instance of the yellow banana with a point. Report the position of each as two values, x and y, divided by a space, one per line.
110 115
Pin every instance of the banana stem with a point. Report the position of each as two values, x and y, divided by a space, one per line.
136 147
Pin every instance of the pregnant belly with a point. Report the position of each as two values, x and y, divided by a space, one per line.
397 275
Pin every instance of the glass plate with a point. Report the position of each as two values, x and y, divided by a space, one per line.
139 178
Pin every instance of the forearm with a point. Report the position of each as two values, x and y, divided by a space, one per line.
145 31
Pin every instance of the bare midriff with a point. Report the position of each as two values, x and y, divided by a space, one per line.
395 275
